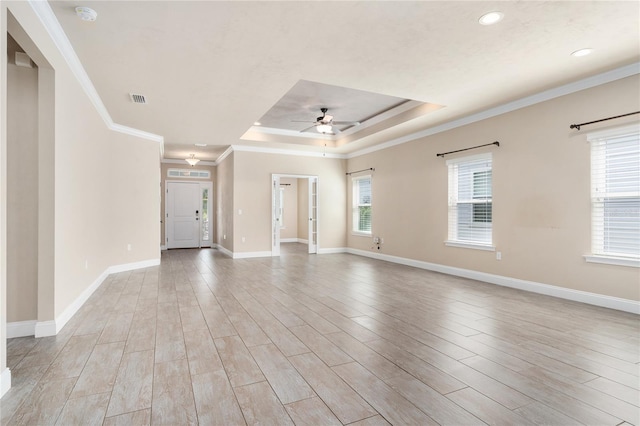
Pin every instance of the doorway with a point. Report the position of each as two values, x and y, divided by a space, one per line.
307 213
188 208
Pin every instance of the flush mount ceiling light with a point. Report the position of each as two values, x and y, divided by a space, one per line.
582 52
325 129
491 18
192 160
86 13
257 123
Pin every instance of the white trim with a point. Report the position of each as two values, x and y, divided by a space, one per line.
53 327
184 163
225 250
5 381
576 86
21 329
163 247
251 254
224 155
333 250
137 133
59 38
45 328
469 245
282 151
294 133
134 265
610 302
610 260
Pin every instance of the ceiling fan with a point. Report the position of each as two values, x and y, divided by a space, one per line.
325 124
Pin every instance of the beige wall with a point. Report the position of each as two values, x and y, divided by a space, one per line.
22 193
290 207
104 185
541 194
163 174
224 202
252 194
303 209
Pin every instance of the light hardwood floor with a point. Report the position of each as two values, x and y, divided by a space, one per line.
322 340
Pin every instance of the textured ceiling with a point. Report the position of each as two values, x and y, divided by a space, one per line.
211 69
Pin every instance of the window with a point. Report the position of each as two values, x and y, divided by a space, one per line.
615 193
187 173
362 205
470 201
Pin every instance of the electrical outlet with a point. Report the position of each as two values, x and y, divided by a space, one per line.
381 240
244 239
498 255
86 264
224 237
239 211
128 247
376 240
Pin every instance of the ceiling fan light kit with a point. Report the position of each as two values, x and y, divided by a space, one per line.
325 124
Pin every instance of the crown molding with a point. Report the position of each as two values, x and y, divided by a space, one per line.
284 151
184 163
224 155
576 86
57 34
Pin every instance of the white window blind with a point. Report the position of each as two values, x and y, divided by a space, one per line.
362 204
615 193
470 200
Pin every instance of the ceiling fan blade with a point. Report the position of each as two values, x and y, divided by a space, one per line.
335 130
327 118
305 121
350 123
308 128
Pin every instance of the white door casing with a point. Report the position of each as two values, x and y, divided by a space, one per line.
275 215
182 211
313 215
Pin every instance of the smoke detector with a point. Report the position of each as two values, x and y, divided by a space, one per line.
86 13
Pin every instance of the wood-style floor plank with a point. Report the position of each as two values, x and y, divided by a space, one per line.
323 339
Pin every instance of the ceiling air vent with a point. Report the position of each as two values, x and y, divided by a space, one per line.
137 99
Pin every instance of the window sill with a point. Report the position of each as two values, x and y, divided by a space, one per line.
361 234
611 260
475 246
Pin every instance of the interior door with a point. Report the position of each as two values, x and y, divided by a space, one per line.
275 215
183 214
313 215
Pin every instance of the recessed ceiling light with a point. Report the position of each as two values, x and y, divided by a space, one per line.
582 52
257 123
491 18
200 144
86 13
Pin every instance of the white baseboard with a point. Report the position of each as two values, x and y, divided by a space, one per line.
46 328
604 301
250 254
288 240
134 265
21 329
163 247
301 241
225 251
5 381
53 327
332 250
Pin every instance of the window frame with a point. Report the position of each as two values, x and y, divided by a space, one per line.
598 175
454 202
355 222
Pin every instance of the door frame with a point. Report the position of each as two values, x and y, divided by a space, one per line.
275 195
212 221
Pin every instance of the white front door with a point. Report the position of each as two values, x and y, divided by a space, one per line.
183 214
